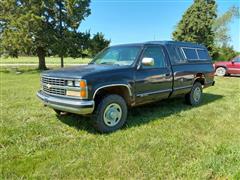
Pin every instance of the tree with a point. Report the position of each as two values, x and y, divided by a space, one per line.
79 44
224 53
196 24
220 26
27 25
82 45
222 49
98 43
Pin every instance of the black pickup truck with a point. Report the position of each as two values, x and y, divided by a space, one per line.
125 76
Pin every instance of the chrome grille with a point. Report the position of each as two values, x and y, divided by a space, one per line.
53 81
47 82
57 91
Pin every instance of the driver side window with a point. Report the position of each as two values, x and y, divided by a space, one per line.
237 59
155 52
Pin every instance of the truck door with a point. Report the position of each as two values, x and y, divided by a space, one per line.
153 82
234 67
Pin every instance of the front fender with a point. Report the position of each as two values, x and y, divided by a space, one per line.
95 89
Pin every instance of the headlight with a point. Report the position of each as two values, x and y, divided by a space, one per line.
70 83
77 83
82 92
82 83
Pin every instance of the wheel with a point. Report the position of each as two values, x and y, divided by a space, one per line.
110 114
221 71
194 98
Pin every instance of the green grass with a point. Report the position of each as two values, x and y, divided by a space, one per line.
49 60
165 140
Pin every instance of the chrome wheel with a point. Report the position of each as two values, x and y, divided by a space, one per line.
112 114
197 94
221 71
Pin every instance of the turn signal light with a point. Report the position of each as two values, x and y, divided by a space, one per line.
83 93
83 84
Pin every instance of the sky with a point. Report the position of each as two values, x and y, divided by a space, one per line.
132 21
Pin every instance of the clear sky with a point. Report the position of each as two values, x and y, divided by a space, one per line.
128 21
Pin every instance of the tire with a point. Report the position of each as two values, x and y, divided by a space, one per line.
221 71
194 98
110 114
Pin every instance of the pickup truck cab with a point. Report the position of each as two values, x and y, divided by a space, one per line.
124 76
223 68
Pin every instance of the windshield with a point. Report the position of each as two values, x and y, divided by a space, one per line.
121 55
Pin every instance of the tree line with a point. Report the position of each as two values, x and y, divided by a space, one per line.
45 28
50 28
201 24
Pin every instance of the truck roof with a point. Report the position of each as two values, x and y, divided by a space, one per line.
177 43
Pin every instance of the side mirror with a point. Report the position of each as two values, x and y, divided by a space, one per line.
232 61
148 61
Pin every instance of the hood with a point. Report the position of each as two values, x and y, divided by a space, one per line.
78 71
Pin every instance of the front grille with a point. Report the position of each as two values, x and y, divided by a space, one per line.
57 91
53 81
46 86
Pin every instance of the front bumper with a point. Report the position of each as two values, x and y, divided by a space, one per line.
66 104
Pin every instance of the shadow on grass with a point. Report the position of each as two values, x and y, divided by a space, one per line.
165 108
143 114
78 122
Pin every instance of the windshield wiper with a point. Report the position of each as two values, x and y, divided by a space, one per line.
107 63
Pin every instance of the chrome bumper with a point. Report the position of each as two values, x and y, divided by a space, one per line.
66 104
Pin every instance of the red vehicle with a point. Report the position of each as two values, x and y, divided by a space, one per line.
228 67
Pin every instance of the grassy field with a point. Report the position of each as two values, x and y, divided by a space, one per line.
165 140
49 60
